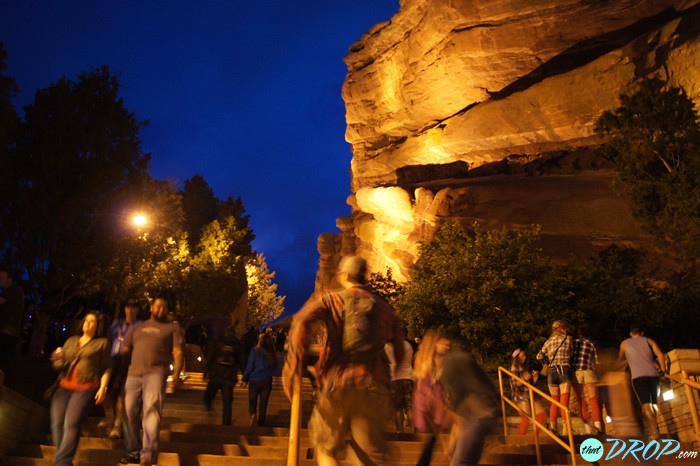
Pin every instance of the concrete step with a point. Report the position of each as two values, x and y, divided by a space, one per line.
90 458
192 436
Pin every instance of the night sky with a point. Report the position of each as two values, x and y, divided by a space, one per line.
245 93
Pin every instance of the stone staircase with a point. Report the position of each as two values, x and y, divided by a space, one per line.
192 436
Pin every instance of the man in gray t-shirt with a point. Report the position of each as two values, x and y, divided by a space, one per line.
153 345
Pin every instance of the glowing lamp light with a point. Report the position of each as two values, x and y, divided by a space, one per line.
608 419
668 395
199 358
139 220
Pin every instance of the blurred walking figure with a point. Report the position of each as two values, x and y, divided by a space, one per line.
85 366
153 345
261 367
521 392
353 370
472 397
639 351
430 412
585 361
224 361
120 366
556 354
401 383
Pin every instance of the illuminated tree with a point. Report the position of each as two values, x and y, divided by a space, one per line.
264 305
385 286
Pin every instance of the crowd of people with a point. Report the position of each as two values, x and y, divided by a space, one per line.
367 374
570 364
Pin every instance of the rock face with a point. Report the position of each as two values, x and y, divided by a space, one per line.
484 111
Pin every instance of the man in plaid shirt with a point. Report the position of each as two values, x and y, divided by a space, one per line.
354 394
557 350
585 360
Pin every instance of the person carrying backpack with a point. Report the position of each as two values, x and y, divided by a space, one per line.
354 376
224 361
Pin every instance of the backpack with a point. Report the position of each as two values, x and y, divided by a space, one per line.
227 355
361 331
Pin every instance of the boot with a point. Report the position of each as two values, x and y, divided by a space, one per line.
553 411
524 424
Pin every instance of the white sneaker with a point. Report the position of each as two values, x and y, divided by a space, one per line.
588 428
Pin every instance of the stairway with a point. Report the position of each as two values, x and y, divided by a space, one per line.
192 436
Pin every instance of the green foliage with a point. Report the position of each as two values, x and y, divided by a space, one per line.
264 305
73 174
654 141
385 286
492 289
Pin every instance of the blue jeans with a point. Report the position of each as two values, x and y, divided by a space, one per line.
144 393
69 409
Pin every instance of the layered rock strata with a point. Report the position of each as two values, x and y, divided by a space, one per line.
484 111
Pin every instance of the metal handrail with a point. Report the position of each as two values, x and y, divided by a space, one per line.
689 385
570 448
295 421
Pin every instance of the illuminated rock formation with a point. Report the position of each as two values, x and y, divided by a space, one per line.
484 111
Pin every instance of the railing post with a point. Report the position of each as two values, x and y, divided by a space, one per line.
503 403
691 404
571 435
295 420
535 427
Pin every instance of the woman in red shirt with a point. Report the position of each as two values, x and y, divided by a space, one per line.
85 364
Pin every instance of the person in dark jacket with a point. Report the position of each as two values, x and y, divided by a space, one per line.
224 361
474 399
262 364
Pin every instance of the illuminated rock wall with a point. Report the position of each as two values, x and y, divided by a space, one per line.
484 110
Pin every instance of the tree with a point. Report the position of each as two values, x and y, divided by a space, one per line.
493 290
386 286
200 205
264 305
77 151
654 141
9 122
216 281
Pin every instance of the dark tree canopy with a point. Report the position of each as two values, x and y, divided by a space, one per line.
200 206
654 141
74 174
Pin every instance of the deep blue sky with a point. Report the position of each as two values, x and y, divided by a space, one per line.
245 93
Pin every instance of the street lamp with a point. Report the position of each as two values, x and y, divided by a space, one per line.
139 220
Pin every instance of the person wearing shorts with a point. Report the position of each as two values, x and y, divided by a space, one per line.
640 351
557 351
585 360
401 384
